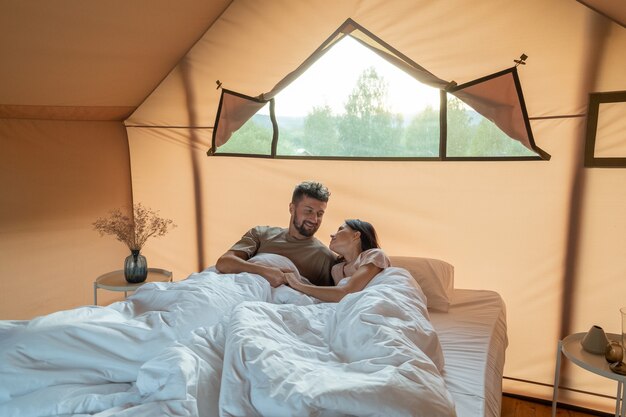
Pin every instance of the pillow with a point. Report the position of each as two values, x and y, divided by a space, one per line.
435 277
278 261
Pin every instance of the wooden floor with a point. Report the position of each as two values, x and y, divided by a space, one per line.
513 407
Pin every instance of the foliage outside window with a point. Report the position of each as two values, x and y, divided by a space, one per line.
365 126
471 135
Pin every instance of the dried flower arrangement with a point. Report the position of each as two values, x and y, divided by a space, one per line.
133 230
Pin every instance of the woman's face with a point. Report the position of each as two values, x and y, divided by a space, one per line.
344 240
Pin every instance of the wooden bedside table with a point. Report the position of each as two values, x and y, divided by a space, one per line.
571 348
115 281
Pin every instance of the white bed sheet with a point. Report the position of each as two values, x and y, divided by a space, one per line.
474 339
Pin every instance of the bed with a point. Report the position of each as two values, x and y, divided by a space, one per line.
409 344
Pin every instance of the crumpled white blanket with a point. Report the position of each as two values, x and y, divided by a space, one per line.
229 345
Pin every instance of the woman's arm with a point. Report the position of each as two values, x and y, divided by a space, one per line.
357 282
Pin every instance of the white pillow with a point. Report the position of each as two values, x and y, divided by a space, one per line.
434 276
278 261
284 294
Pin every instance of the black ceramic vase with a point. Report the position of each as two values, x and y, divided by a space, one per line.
135 268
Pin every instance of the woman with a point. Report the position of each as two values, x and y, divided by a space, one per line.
361 259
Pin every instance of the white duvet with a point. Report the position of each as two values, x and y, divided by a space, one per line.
230 345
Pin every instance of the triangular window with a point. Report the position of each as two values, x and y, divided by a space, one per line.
357 98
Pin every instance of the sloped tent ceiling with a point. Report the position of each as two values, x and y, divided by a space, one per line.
505 226
70 73
612 9
98 61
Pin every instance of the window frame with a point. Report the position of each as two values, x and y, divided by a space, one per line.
593 113
445 88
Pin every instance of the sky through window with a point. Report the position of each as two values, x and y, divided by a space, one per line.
330 80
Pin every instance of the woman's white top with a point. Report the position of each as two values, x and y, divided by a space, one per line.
342 271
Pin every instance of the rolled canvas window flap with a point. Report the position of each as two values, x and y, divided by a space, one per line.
234 111
400 61
498 97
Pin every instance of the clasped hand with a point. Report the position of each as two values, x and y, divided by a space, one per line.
277 277
292 280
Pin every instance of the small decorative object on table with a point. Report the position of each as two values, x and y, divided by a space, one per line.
135 267
595 341
134 230
614 352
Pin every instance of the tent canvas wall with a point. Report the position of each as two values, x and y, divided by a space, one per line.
104 104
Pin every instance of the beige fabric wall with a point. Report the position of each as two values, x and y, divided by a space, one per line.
56 177
600 286
163 179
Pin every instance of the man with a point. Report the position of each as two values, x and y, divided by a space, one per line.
312 258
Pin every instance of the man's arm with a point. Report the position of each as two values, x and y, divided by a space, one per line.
233 262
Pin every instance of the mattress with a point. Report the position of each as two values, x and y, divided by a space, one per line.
473 337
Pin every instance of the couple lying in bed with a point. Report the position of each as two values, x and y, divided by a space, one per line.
360 257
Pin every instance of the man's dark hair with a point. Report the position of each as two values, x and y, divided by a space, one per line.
311 189
369 239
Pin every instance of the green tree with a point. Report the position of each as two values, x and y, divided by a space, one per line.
460 129
422 134
489 140
320 132
254 137
368 128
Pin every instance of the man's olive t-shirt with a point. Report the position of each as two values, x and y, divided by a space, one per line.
312 258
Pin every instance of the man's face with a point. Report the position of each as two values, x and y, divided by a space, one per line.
306 217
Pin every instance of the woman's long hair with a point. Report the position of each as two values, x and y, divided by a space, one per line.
369 239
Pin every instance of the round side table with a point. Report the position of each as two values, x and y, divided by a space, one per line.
115 281
571 348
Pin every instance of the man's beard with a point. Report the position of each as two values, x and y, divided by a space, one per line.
302 230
